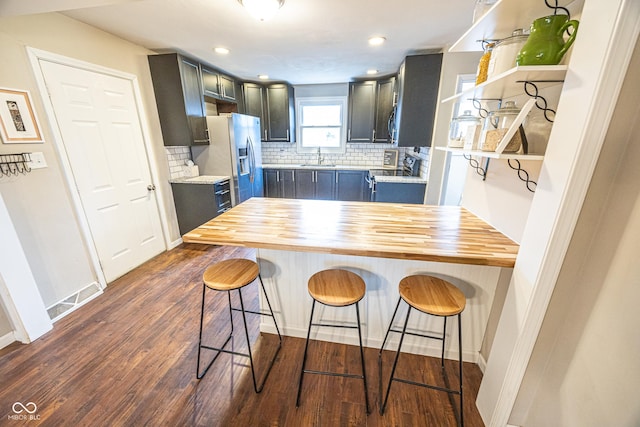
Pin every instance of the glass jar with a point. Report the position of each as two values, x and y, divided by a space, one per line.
495 127
504 53
483 65
460 127
482 6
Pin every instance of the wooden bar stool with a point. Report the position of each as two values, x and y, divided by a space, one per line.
335 288
229 275
436 297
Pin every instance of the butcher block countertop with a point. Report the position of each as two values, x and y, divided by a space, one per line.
388 230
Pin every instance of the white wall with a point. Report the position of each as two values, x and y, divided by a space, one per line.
39 203
585 367
453 64
601 53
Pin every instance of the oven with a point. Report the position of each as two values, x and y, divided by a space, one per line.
410 168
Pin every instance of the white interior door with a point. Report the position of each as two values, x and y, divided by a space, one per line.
100 127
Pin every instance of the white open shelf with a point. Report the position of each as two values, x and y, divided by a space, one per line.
506 85
491 154
500 21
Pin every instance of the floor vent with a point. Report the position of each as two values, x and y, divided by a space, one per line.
67 305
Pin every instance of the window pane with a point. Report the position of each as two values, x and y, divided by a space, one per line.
321 115
321 137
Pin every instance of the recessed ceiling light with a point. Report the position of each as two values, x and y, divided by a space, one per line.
263 77
372 72
376 41
221 50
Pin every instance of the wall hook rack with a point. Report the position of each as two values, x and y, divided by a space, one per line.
14 164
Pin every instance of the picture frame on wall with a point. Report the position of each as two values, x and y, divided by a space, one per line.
18 120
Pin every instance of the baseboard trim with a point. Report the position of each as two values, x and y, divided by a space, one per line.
7 339
482 364
175 243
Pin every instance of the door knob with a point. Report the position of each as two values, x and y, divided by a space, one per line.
151 187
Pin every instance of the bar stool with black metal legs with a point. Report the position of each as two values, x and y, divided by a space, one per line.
229 275
437 297
335 288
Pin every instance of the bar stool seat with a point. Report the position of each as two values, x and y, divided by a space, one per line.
226 276
437 297
335 288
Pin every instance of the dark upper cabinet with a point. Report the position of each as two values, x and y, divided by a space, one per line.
178 90
274 105
351 185
210 82
385 101
362 99
280 116
315 184
279 183
228 87
217 85
418 82
252 94
371 104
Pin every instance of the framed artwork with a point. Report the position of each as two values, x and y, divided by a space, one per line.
18 121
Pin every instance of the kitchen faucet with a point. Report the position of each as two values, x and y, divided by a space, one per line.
320 158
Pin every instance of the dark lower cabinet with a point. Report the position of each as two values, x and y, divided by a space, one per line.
399 192
315 184
198 203
279 183
351 185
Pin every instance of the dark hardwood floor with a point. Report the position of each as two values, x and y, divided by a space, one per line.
128 358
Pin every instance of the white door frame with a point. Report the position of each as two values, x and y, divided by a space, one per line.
35 56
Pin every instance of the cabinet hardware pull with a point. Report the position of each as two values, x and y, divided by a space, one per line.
373 135
277 176
265 135
349 134
287 135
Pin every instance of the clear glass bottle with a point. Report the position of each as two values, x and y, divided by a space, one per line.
483 65
482 6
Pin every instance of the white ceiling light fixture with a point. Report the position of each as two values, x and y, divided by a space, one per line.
263 77
376 41
262 10
221 50
371 72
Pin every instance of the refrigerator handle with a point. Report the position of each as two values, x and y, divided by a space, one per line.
252 160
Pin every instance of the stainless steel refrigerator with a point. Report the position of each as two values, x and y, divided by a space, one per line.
234 150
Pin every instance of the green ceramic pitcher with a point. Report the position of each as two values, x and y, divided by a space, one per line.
546 44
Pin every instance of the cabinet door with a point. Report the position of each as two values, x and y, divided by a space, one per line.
305 184
279 121
351 185
385 95
254 105
194 103
210 82
288 184
177 88
271 183
325 184
227 87
418 100
362 99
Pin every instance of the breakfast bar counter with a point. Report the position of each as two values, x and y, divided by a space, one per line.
382 242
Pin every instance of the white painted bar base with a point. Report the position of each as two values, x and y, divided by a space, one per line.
285 275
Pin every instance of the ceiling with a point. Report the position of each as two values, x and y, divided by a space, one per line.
307 42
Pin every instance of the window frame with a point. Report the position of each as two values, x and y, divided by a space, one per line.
315 101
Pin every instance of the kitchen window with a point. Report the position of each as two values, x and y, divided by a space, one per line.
321 124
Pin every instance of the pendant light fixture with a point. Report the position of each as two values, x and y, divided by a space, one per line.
262 10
